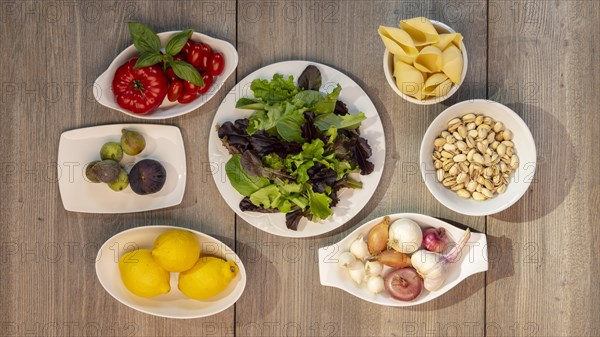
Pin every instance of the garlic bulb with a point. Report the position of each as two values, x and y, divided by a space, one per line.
346 259
373 268
433 266
359 248
357 272
405 236
375 284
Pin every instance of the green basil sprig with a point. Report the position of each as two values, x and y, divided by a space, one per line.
147 42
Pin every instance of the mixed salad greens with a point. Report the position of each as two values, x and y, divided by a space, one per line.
295 153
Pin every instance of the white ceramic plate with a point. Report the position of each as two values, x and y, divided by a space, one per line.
524 148
351 201
173 304
79 147
473 260
103 84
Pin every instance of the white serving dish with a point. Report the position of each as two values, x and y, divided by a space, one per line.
473 260
103 84
173 304
79 147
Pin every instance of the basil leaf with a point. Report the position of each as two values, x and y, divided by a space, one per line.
144 38
187 72
177 42
148 59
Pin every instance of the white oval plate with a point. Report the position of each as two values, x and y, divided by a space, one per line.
103 84
173 304
473 260
351 201
79 147
524 148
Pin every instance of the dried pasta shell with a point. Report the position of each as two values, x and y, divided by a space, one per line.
421 30
452 63
409 80
399 43
429 60
447 39
437 85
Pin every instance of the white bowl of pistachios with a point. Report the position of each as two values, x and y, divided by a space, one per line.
478 157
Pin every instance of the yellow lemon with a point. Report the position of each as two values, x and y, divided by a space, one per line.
142 275
208 277
176 250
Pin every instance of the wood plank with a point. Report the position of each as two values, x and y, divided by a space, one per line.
283 294
58 295
542 57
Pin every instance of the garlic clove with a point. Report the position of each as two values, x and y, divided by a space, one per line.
346 259
375 284
357 272
433 284
373 268
359 248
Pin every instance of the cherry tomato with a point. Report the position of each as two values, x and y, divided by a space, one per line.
139 90
175 90
179 57
208 81
186 48
193 55
187 97
171 74
216 64
190 87
205 56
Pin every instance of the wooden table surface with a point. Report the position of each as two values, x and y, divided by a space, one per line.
540 58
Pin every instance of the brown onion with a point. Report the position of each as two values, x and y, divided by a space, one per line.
378 236
392 258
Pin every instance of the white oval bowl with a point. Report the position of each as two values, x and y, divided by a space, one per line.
473 260
524 148
173 304
103 84
388 69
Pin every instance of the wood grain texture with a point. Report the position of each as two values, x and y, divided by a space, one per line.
540 59
546 76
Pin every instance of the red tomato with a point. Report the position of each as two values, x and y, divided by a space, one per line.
205 56
171 74
179 57
187 97
216 64
175 90
208 81
139 90
190 87
193 55
186 48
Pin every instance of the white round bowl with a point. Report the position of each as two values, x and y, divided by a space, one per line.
103 84
524 148
388 69
173 304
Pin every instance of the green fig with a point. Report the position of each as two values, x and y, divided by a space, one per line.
111 150
89 173
132 142
121 182
106 171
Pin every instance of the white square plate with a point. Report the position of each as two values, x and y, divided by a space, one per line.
79 147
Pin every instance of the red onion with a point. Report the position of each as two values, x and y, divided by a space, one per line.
435 239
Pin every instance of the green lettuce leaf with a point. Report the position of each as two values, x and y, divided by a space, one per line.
348 122
319 204
243 182
277 90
